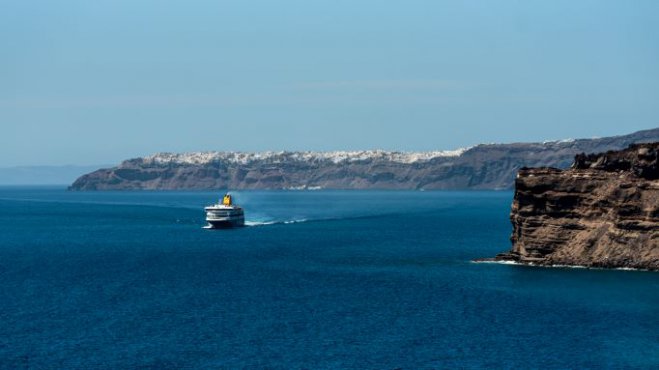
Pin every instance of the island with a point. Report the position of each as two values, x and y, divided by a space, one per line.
601 212
484 166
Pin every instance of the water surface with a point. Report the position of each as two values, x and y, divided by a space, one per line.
327 279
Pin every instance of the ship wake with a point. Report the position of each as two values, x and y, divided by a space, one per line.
273 222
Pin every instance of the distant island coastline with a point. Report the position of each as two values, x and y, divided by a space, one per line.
485 166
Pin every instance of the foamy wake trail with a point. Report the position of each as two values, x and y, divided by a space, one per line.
263 223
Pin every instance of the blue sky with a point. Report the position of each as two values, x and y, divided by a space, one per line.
90 82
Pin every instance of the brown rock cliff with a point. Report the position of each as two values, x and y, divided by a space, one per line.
602 212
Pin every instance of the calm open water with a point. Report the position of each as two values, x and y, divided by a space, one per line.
328 279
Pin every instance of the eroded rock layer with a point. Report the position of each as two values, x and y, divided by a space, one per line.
602 212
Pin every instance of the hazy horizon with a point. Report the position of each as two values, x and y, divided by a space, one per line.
99 82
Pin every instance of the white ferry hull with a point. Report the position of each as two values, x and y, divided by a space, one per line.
226 224
224 218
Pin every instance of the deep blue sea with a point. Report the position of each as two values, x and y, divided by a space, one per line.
321 279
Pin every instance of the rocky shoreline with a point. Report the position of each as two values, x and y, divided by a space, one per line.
603 212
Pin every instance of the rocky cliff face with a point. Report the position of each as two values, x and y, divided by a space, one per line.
491 166
602 212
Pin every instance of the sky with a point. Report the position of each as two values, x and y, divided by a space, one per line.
96 82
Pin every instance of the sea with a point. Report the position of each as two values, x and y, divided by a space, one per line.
316 280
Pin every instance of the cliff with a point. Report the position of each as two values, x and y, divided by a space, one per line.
486 166
602 212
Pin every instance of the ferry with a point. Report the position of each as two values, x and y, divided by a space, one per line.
224 214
